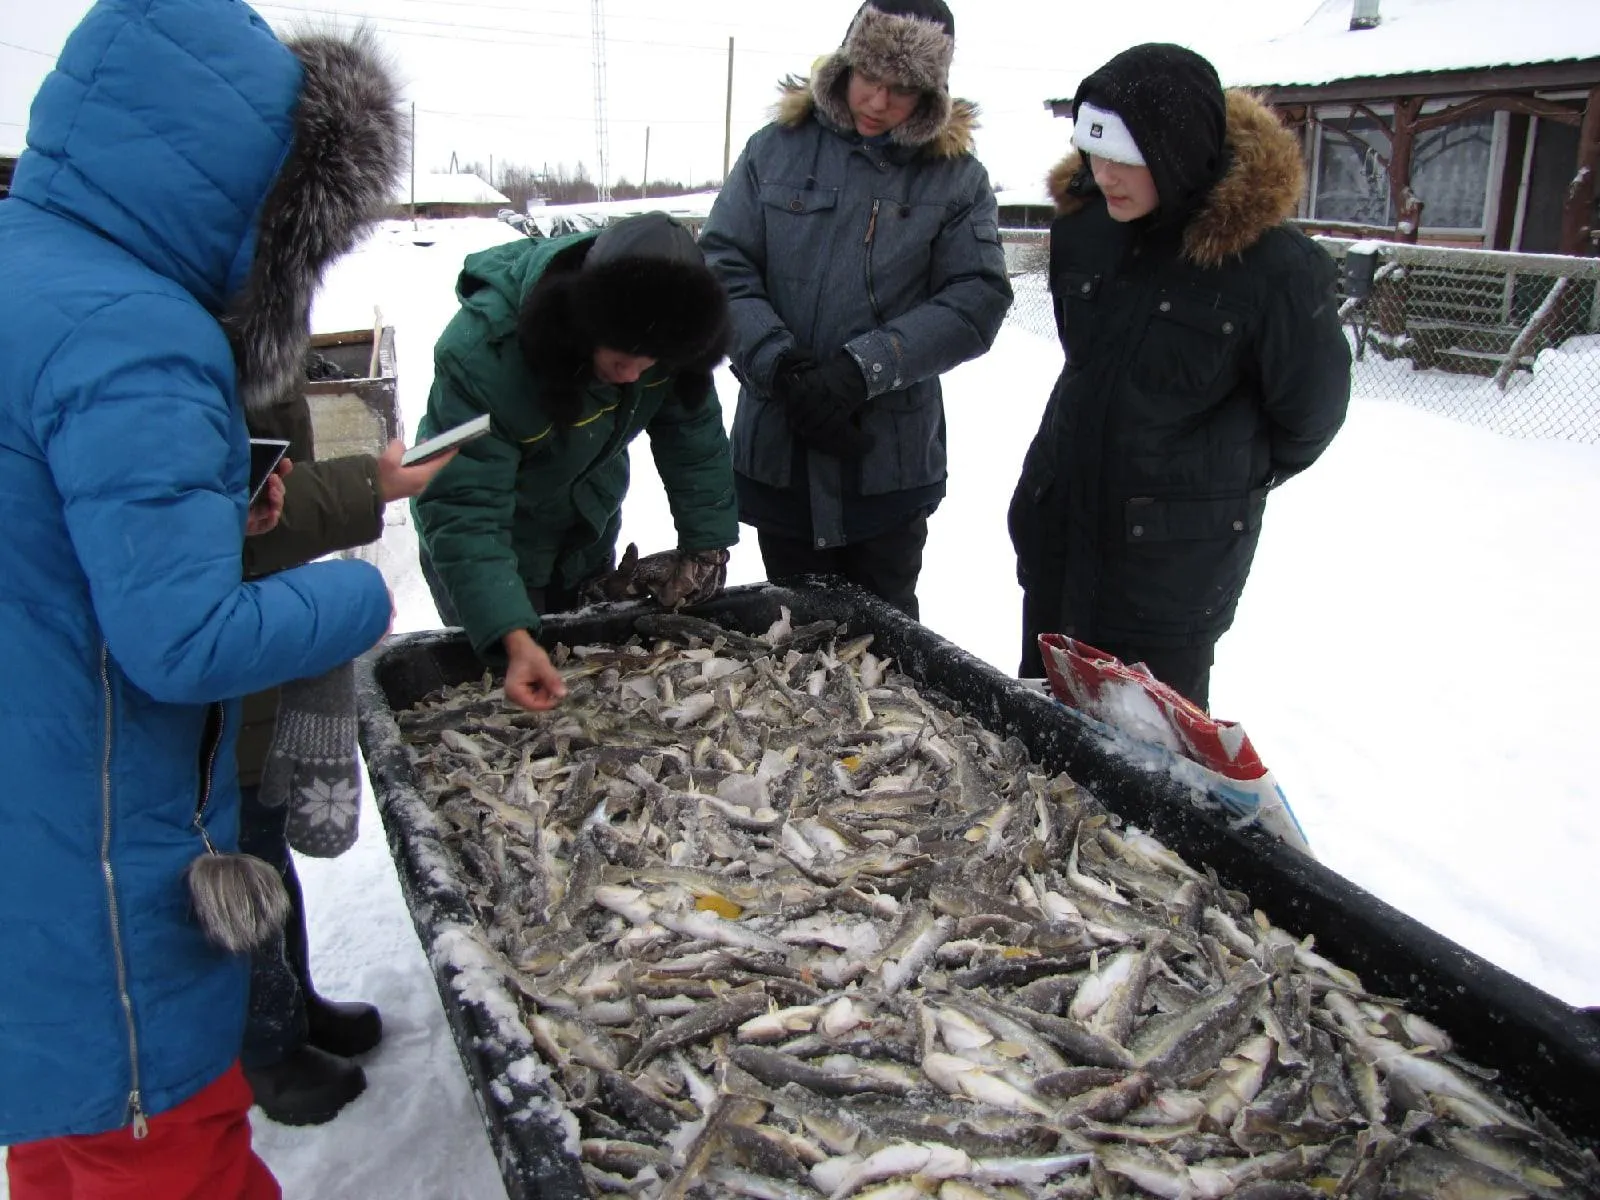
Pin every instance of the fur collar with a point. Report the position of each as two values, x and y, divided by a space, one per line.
1262 187
339 175
797 104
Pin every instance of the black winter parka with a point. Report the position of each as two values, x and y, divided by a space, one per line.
1205 364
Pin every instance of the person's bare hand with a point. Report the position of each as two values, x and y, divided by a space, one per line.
268 509
396 482
532 680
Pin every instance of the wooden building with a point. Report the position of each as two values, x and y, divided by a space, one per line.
1451 122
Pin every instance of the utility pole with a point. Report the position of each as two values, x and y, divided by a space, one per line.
601 133
727 119
413 164
644 184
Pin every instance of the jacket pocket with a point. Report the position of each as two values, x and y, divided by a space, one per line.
1184 561
796 226
760 442
1186 345
908 440
1075 294
1035 522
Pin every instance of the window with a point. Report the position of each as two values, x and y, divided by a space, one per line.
1353 172
1449 171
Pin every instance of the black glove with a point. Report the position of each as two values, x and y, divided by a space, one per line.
821 401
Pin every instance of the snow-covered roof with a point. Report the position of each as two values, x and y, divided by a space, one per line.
1017 197
693 205
441 187
1415 36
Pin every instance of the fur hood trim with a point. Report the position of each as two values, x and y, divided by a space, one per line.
1261 188
797 104
339 175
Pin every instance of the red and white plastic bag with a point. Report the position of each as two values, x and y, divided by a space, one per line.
1213 756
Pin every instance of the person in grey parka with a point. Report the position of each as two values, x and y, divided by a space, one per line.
858 239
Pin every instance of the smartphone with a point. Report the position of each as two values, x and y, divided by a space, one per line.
448 440
265 454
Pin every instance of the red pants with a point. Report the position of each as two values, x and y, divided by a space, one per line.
197 1151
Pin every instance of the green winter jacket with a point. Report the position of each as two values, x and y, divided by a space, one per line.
532 504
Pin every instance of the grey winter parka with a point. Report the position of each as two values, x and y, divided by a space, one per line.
825 241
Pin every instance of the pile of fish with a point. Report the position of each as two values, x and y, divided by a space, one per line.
782 926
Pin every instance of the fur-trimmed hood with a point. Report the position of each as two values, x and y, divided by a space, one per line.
347 153
1260 189
224 160
797 104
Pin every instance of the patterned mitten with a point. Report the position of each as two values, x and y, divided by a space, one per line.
313 767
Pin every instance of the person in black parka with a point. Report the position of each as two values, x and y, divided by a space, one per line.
1205 365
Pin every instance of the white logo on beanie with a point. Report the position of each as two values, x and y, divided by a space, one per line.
1111 138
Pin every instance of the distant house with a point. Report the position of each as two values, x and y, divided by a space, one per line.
1025 208
1462 122
444 194
8 164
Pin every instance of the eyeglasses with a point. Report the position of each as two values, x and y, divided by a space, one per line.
897 91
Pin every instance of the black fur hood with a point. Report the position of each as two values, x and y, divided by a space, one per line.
665 306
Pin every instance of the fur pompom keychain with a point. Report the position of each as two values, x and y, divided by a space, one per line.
239 899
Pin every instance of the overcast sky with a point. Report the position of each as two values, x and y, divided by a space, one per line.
516 80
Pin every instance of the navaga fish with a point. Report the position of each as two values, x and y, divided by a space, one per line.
784 927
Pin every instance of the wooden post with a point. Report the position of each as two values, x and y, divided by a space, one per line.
413 164
1518 128
644 184
1402 141
1577 215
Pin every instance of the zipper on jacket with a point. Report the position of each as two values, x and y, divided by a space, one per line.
872 230
215 719
135 1106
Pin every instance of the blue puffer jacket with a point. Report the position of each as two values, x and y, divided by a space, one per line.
125 627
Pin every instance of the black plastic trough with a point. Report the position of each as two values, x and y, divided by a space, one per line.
1547 1053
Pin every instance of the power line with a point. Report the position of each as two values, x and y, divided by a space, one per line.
27 50
523 36
526 117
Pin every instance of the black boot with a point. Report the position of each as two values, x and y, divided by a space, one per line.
345 1028
309 1087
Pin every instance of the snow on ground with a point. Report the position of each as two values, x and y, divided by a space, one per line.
1413 659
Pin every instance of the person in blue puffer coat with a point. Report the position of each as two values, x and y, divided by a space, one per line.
187 178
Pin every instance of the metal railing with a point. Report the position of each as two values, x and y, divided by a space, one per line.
1507 341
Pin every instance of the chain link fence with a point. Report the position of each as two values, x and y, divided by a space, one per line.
1507 341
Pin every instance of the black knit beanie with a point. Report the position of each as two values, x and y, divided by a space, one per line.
1172 103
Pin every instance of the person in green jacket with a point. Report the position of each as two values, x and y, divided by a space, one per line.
574 346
